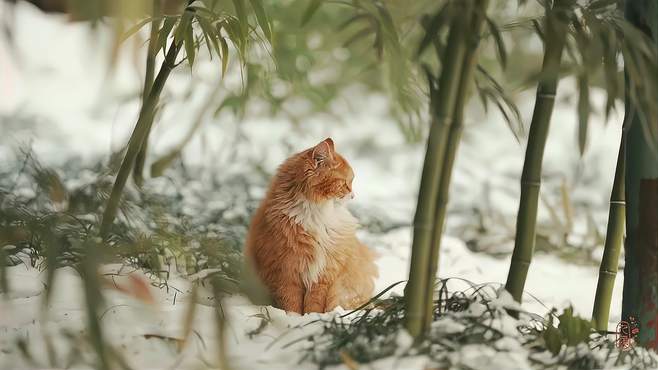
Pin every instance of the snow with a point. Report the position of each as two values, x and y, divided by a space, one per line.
63 94
404 341
478 356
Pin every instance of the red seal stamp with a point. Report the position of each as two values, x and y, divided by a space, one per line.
626 333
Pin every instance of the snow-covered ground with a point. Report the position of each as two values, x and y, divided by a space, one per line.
75 110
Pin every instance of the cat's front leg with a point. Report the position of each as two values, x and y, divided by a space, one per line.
315 299
290 297
332 299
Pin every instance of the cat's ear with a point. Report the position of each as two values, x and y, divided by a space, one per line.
323 152
330 142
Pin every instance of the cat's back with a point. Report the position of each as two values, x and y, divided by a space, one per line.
270 227
259 229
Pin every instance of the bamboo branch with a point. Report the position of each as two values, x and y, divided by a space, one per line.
138 170
137 137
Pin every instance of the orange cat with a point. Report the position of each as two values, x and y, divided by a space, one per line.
302 238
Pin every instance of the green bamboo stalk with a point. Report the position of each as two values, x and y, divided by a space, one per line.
524 243
152 51
416 289
454 137
613 240
141 130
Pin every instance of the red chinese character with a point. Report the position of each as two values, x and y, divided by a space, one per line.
626 333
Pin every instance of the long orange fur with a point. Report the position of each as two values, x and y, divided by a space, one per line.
302 239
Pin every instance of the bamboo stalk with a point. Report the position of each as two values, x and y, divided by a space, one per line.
141 130
613 240
524 243
416 289
152 51
454 137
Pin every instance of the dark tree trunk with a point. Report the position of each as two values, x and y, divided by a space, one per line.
640 299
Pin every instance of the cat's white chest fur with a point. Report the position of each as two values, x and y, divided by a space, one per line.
326 222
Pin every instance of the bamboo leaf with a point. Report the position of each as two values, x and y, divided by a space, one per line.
184 23
574 329
207 42
208 33
610 69
601 4
158 167
482 96
310 10
211 33
134 29
433 26
500 44
224 46
232 27
201 8
190 49
553 339
505 103
635 38
243 23
387 25
163 35
261 17
431 81
353 19
358 35
583 111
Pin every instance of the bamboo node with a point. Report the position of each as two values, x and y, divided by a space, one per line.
423 227
521 262
531 183
443 118
546 96
622 202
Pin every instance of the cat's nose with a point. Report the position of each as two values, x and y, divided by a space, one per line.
351 195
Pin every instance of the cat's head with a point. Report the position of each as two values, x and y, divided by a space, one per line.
326 174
